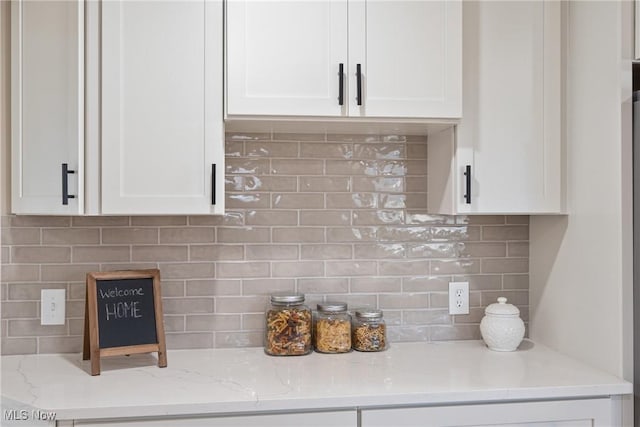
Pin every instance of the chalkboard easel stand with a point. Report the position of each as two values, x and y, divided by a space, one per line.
147 283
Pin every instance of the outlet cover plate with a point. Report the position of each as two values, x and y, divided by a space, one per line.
458 297
52 306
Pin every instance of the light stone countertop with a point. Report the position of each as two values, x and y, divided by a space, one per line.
247 380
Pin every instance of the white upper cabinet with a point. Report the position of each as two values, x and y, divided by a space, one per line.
410 56
358 58
283 57
47 107
162 135
142 134
506 155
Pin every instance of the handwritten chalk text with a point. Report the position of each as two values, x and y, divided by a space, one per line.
117 292
123 310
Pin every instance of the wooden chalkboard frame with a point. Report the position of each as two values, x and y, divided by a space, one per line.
91 346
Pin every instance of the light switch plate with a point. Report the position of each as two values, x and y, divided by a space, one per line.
52 306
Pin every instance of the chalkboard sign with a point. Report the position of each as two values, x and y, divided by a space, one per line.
123 315
126 315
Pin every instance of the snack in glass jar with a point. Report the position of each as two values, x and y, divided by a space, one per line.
332 328
369 331
288 328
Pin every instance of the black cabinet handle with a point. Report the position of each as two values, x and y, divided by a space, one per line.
65 184
213 183
359 84
341 84
467 174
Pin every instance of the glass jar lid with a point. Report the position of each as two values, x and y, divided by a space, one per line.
369 313
287 298
501 308
332 307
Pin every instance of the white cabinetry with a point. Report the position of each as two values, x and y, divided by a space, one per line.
47 106
509 139
411 58
283 57
153 112
353 58
319 419
603 412
594 412
162 136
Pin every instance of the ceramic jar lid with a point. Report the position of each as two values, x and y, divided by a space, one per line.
501 308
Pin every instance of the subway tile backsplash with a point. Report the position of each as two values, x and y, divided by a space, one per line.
333 216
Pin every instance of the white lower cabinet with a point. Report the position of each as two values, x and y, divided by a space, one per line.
592 412
310 419
571 413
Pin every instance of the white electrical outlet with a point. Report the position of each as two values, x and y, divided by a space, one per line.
458 297
52 306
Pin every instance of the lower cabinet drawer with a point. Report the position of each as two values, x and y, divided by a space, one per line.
319 419
562 413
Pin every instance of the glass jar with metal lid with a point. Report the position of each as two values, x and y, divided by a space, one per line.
369 330
288 328
332 328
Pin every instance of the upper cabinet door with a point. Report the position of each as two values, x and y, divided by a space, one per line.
162 136
510 133
47 106
410 58
283 57
506 154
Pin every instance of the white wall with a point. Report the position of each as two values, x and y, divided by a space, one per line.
5 118
581 272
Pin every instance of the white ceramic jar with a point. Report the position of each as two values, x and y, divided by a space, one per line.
502 328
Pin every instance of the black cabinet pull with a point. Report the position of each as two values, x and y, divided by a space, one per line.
213 183
467 174
65 184
359 84
341 85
